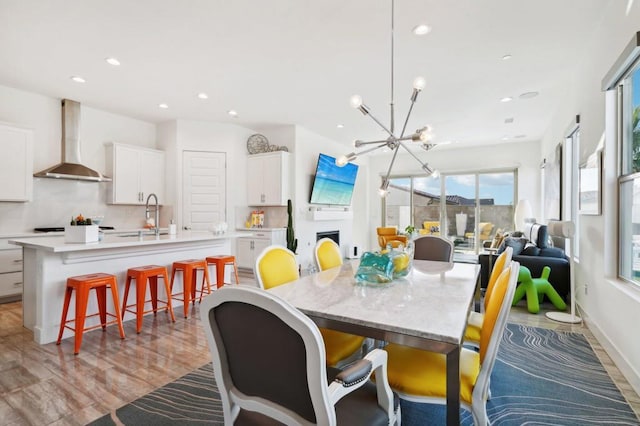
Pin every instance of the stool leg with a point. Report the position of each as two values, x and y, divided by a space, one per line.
141 295
82 296
153 289
116 304
235 270
189 288
168 290
101 294
205 278
126 295
65 311
219 276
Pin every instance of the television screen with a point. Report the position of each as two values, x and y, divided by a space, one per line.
333 185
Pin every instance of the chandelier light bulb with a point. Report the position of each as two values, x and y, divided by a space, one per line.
419 83
341 161
356 101
382 192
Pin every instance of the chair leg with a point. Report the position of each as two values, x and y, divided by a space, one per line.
235 271
101 294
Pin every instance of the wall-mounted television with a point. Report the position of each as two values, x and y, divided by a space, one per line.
333 185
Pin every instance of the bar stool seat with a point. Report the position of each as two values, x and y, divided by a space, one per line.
82 284
189 269
142 275
221 261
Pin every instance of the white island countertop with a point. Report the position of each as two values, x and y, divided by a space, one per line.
110 241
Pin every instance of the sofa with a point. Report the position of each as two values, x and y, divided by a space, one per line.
534 253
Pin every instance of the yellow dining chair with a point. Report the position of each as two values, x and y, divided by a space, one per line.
341 348
420 376
277 265
476 319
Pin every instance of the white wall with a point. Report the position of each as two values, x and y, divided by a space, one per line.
55 201
611 307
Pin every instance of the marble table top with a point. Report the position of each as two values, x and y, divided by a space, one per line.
432 302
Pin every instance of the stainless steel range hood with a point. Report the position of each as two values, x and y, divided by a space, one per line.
71 166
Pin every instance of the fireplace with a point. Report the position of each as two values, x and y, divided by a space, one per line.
334 235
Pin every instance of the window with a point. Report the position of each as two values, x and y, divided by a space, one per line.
629 177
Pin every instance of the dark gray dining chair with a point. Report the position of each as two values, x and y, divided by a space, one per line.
433 247
269 364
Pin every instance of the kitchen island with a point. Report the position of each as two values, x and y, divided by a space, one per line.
49 261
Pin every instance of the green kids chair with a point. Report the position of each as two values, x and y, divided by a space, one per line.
535 289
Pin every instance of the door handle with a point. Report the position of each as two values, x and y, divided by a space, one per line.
186 228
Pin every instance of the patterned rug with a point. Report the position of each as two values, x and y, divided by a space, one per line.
541 377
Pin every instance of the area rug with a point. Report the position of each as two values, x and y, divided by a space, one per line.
541 377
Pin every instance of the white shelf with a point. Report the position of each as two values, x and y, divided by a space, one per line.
330 213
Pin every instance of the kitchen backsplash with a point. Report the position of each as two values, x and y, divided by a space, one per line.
55 201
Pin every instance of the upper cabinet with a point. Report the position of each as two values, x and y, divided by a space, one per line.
16 163
268 179
136 172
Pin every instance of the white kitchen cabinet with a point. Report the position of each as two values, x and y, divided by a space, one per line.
268 179
16 163
136 173
10 272
248 248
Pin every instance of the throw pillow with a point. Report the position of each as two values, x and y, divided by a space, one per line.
516 243
537 234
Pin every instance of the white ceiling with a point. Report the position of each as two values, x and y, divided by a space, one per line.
299 61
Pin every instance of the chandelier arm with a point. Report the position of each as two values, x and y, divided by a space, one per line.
381 141
412 154
406 120
393 159
381 125
368 150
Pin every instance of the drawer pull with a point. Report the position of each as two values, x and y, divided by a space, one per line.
17 260
18 284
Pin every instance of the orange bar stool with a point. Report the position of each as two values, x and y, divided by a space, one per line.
142 275
82 284
189 269
221 261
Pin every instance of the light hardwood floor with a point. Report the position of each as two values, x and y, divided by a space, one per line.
48 385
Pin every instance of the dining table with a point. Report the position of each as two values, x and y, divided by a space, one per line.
426 309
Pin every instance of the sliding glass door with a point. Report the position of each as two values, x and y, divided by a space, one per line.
466 208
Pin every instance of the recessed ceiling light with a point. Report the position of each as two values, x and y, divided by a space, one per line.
508 120
78 79
520 136
506 99
505 138
421 29
112 61
506 57
232 112
163 106
529 95
340 126
203 96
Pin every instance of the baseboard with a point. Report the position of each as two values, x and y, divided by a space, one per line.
618 359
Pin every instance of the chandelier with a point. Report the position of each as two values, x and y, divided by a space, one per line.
394 142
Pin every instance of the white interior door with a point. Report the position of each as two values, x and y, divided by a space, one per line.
203 189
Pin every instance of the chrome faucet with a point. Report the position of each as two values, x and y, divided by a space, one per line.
156 212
